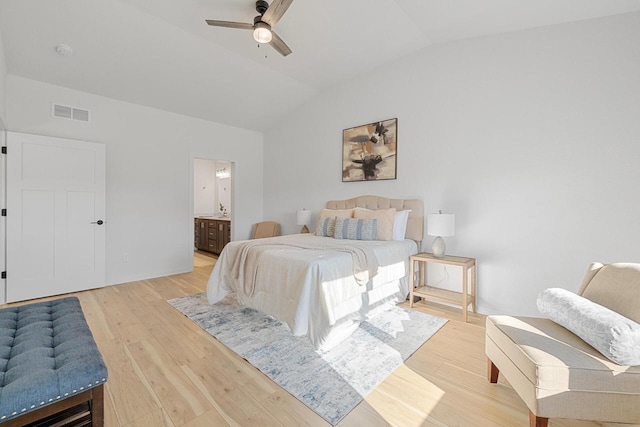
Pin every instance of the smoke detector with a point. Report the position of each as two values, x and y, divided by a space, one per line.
64 50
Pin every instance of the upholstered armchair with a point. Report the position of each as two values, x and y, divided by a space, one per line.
554 370
266 229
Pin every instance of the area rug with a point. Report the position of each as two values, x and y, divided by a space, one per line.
331 382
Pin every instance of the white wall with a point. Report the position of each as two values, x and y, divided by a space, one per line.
224 195
204 187
149 172
209 191
531 138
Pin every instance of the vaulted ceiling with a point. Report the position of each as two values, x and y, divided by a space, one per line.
162 54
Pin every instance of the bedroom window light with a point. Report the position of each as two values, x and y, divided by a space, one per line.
303 219
439 225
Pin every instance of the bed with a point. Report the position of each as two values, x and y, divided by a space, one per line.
322 287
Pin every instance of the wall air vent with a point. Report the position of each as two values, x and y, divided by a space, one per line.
62 111
79 114
67 112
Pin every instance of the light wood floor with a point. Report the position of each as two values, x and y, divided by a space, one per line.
204 259
166 371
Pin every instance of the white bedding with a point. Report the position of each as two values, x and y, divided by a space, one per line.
314 290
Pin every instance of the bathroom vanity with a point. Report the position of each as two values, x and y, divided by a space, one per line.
211 234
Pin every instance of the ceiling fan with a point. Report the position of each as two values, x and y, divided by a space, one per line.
262 33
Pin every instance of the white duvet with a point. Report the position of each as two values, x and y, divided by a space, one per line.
313 290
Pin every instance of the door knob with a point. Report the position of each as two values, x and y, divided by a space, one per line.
99 222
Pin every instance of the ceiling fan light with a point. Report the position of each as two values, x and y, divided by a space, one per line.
262 32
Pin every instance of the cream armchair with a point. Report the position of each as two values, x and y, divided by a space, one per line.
265 229
555 372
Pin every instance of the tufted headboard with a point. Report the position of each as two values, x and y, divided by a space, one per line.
415 225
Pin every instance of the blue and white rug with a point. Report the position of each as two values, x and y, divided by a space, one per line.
331 382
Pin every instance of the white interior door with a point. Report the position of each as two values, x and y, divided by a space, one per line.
55 216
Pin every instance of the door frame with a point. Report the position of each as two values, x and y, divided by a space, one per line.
98 278
191 211
3 220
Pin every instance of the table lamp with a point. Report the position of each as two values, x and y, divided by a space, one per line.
304 217
439 224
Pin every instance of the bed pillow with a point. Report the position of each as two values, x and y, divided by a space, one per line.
612 334
400 224
355 229
333 213
326 226
384 217
340 213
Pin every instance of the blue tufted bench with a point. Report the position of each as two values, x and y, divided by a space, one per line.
50 367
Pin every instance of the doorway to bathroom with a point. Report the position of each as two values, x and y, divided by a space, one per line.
212 208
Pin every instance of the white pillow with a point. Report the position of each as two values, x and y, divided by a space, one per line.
612 334
400 224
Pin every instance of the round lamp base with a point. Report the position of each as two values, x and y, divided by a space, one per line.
438 247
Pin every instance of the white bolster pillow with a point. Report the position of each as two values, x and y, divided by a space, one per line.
612 334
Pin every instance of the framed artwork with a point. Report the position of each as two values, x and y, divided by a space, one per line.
369 152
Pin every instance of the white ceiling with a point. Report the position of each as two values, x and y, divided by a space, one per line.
162 54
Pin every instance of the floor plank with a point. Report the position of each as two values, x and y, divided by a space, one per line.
176 393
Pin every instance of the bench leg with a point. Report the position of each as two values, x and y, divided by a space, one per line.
535 421
97 406
492 372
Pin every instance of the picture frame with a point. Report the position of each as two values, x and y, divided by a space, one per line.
369 152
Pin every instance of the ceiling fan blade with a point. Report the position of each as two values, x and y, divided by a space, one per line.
278 44
276 9
229 24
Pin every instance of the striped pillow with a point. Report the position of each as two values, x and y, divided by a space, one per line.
356 229
333 213
385 219
326 226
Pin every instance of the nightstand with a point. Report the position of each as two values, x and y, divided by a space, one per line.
426 292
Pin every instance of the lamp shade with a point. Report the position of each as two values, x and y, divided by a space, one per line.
262 32
441 224
303 217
